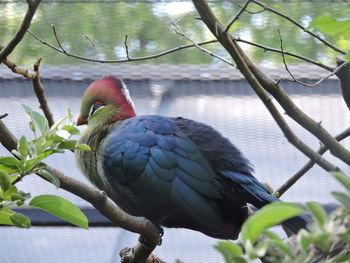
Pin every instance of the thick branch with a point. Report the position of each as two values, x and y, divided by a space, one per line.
99 200
40 94
259 78
231 46
291 181
32 6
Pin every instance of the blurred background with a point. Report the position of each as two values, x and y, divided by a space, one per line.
187 83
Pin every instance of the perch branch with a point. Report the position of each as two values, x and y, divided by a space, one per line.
100 201
231 46
291 181
32 6
40 94
126 46
300 26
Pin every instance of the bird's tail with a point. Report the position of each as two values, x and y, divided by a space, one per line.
258 195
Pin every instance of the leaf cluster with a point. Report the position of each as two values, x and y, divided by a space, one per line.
327 238
28 159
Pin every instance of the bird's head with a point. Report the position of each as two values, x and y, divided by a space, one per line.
106 100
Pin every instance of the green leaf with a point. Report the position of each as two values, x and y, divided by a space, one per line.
70 145
330 26
39 122
23 147
5 216
11 190
51 177
342 198
7 169
318 212
20 220
5 180
343 179
270 215
61 208
229 250
16 197
10 162
71 129
83 147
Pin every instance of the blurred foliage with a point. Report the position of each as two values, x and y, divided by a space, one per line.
327 238
97 30
28 160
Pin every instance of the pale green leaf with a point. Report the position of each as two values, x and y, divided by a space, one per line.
318 212
61 208
5 180
270 215
5 216
51 177
23 147
20 220
343 179
83 147
70 145
342 198
71 129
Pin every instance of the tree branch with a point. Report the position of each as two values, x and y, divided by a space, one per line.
257 79
301 82
172 50
40 94
291 181
231 46
236 17
32 6
300 26
179 31
99 200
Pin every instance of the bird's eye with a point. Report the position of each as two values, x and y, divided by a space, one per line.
97 105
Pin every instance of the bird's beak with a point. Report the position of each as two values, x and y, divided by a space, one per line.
80 121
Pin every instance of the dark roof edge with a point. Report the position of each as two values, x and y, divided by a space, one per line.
164 72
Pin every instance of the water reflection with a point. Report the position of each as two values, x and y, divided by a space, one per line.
97 30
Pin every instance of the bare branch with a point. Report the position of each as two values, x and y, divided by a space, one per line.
243 64
40 94
300 26
57 39
243 8
99 200
32 6
169 51
179 31
291 181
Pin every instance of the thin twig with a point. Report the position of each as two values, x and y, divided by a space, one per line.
40 94
90 41
291 181
236 17
126 46
32 6
169 51
301 82
300 26
57 39
3 116
98 199
179 31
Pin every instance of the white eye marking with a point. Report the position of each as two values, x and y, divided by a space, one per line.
126 94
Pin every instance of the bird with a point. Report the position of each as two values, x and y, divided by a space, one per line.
176 172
